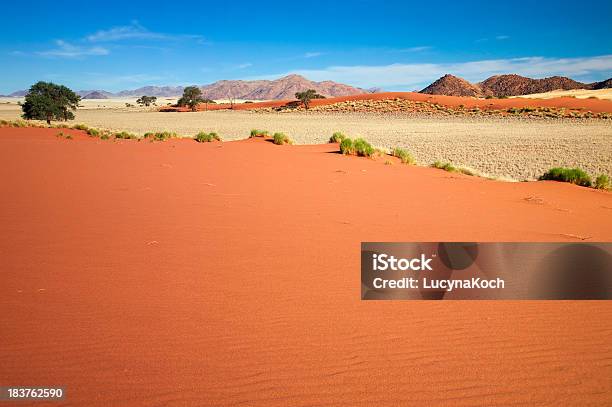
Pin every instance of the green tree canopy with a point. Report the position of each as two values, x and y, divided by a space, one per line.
48 101
192 96
306 96
146 100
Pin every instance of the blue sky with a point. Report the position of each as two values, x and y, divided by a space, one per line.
395 45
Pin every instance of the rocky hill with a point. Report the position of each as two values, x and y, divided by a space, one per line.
453 86
96 94
514 85
282 88
507 85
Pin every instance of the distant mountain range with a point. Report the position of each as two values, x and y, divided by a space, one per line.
286 87
282 88
507 85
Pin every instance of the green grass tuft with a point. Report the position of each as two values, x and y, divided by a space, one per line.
160 136
602 182
346 146
571 175
281 138
337 137
259 133
203 137
125 136
444 166
403 155
363 148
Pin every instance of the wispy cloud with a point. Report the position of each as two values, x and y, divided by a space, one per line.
409 76
313 54
135 31
67 50
126 32
497 38
415 49
244 66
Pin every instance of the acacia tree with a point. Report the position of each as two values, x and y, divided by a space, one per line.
146 100
306 96
192 96
48 101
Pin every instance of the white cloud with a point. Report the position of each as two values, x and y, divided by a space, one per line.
135 31
502 37
67 50
412 75
132 31
312 54
415 49
245 65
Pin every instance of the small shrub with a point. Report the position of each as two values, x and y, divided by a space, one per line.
280 139
444 166
571 175
259 133
602 182
337 137
203 137
60 134
80 127
346 146
104 137
403 155
69 137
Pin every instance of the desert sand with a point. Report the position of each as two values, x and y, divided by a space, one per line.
604 94
504 147
184 274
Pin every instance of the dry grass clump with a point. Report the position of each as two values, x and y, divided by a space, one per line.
259 133
403 155
16 123
281 138
203 137
571 175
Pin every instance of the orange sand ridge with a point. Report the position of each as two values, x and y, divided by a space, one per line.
187 274
593 105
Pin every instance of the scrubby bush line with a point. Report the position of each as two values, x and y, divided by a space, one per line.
358 147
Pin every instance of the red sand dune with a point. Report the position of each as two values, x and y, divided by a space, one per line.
213 274
594 105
